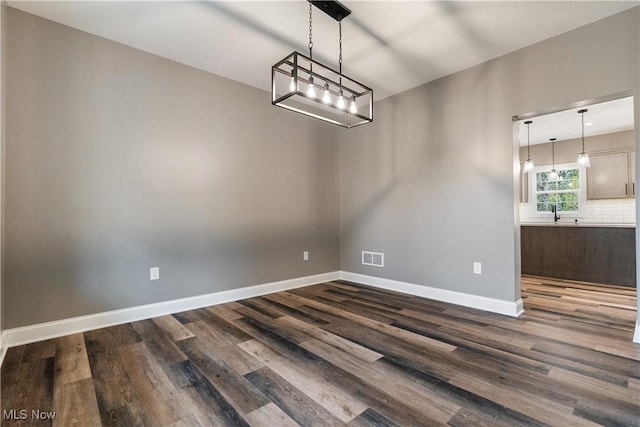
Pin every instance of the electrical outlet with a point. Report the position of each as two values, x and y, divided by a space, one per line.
154 273
477 268
305 256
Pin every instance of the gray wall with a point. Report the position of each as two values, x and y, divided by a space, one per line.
567 151
431 182
118 160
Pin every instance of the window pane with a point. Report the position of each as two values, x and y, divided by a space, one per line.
546 185
542 182
543 207
568 202
565 185
569 179
545 201
568 173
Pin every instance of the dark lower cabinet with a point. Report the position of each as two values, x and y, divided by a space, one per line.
589 254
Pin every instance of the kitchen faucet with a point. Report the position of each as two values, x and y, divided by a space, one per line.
554 209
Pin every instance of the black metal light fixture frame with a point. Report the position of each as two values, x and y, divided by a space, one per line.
297 78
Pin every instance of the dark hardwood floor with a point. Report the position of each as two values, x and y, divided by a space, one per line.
344 354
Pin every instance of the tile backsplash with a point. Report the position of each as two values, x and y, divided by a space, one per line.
610 211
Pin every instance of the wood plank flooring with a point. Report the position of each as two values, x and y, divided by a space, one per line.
341 354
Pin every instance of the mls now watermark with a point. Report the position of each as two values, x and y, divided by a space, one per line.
23 414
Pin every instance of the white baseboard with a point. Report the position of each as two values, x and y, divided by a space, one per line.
636 334
3 347
509 308
43 331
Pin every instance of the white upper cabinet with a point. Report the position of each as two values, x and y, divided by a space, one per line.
611 175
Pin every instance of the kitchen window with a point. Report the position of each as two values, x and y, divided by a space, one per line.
567 193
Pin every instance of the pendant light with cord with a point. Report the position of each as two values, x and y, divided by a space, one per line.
553 175
583 157
528 164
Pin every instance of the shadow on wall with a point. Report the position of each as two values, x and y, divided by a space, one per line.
377 152
413 145
324 176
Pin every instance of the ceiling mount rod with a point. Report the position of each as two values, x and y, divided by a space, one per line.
332 8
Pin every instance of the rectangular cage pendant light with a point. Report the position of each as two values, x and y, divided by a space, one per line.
300 84
334 98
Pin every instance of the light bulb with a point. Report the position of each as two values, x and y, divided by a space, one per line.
353 108
340 104
528 165
292 84
583 160
326 98
553 175
311 91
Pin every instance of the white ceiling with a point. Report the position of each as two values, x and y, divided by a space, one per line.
390 46
602 118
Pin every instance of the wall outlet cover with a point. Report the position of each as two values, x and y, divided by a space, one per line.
477 268
305 256
154 273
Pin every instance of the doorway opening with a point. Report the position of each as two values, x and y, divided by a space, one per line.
578 219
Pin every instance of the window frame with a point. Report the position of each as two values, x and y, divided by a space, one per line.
582 192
